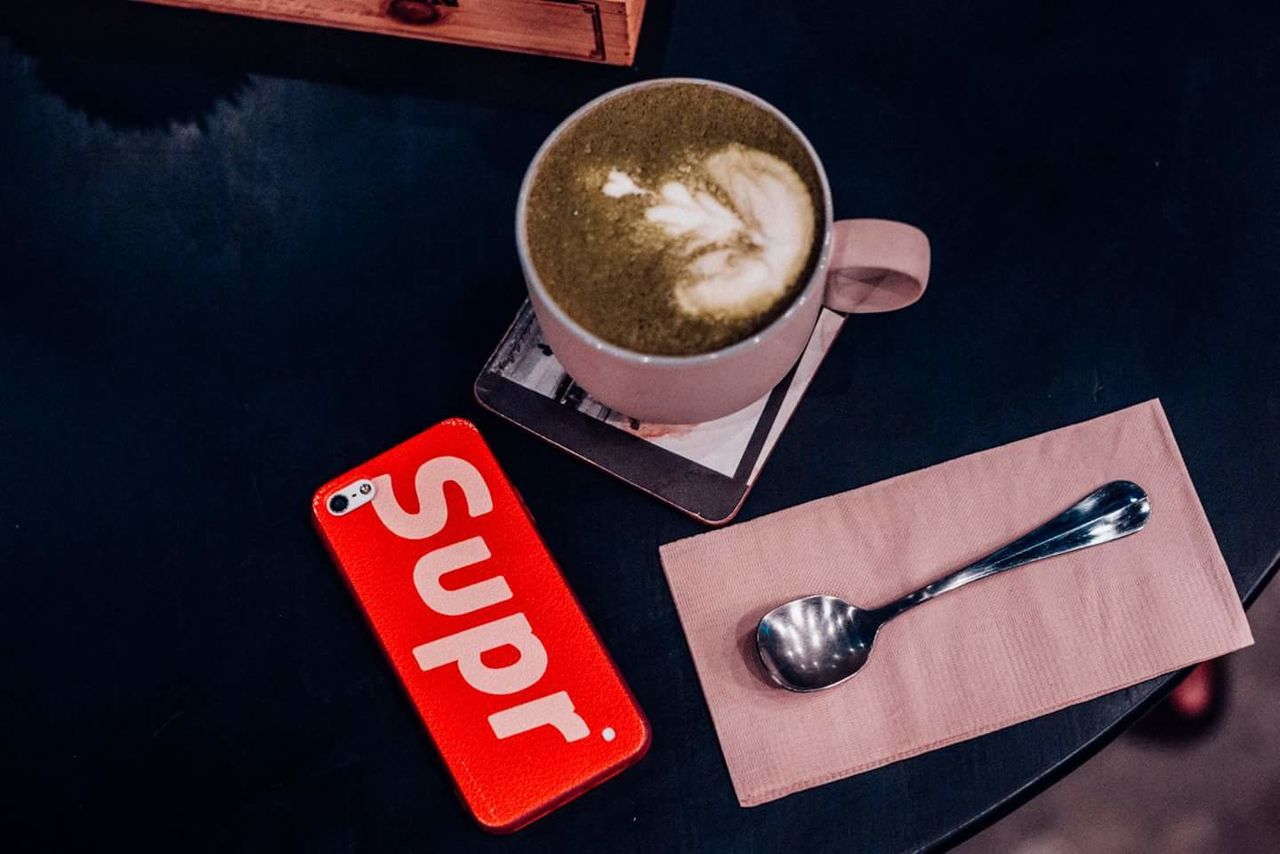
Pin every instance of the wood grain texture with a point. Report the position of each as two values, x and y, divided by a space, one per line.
594 30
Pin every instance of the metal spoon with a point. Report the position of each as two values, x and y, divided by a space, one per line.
819 641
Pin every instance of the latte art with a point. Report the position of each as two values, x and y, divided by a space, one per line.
743 227
675 219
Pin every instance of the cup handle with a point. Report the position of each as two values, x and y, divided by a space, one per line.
876 265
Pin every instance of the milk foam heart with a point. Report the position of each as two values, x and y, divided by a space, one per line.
741 221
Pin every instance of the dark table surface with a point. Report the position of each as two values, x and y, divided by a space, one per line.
240 257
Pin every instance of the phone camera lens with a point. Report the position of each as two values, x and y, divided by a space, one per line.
338 503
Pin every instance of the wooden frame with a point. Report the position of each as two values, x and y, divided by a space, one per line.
593 30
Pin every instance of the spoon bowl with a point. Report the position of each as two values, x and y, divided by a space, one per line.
817 642
814 643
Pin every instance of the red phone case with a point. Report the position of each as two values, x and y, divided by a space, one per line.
512 682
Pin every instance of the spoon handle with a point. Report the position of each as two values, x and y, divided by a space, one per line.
1113 511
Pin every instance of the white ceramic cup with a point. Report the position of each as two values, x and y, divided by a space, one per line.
866 265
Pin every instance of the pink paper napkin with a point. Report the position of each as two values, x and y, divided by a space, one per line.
998 652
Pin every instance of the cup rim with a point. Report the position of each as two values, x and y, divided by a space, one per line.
599 344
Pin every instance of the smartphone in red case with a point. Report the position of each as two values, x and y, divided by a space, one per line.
518 693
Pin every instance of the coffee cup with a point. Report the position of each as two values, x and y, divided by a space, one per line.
860 266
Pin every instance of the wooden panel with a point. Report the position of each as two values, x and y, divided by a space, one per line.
635 14
595 30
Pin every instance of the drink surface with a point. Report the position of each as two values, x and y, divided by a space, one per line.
675 219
